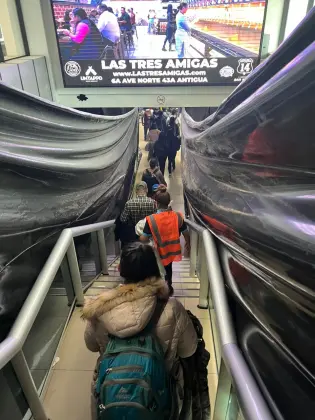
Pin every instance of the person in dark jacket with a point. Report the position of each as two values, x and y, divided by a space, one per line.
160 150
146 122
170 28
173 143
153 176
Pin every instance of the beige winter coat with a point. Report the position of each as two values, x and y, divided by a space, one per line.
127 309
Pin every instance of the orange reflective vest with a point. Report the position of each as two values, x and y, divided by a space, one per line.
165 231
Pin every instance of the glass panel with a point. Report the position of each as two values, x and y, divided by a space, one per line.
272 27
10 32
297 11
233 411
13 405
43 339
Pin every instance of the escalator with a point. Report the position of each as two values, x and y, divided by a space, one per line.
249 178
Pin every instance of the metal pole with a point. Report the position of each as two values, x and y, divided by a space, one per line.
28 386
65 272
221 403
117 248
102 251
204 279
75 273
193 252
1 55
96 253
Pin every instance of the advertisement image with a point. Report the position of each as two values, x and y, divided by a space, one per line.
157 43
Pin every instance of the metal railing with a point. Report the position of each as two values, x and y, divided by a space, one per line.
11 349
251 401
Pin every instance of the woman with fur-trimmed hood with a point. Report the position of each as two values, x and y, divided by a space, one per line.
127 309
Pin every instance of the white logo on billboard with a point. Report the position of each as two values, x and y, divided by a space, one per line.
90 71
245 66
72 68
91 76
226 71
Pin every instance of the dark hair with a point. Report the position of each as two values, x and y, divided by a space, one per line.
171 122
153 125
122 7
110 10
153 163
138 262
169 8
103 7
79 12
67 16
162 197
183 6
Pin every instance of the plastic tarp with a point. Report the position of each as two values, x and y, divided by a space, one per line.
59 168
249 175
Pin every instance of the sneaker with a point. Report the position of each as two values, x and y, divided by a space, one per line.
163 49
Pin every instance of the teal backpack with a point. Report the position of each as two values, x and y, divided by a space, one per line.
133 383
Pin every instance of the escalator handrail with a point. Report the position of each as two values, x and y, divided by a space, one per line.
252 402
18 334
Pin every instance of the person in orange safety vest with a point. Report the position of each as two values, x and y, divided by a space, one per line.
165 227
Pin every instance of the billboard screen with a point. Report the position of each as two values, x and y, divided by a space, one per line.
157 43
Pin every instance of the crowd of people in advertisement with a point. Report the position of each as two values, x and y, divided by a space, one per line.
89 35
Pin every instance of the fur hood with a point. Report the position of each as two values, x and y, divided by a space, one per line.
127 294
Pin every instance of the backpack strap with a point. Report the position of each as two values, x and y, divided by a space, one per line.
159 308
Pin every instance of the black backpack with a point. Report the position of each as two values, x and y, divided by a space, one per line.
150 179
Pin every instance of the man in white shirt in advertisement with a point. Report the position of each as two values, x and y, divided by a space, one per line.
108 24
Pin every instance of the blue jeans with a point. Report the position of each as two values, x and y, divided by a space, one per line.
180 47
151 26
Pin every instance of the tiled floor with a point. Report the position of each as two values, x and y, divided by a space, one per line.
68 393
150 46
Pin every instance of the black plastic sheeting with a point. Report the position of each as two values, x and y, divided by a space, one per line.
59 168
249 175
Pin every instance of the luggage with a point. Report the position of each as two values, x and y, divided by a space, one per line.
133 382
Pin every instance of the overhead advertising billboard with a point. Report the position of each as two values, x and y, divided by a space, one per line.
157 43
